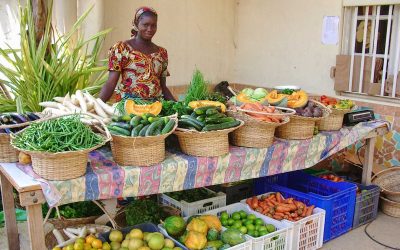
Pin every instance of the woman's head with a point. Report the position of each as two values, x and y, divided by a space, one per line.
144 23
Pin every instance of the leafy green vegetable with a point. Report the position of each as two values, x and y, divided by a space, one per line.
191 195
217 96
140 211
171 107
198 88
74 210
59 135
288 91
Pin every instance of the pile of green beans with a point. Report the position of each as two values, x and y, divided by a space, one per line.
58 135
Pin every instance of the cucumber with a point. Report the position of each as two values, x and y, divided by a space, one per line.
115 118
157 132
136 130
168 127
219 115
221 126
186 123
121 125
194 120
193 114
153 127
135 121
166 120
201 118
126 118
143 130
144 121
211 111
219 120
152 119
202 110
118 130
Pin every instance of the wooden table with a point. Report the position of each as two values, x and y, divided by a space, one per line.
31 196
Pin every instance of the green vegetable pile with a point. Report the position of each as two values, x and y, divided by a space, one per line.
192 195
198 88
207 118
58 135
171 108
141 211
144 125
288 91
74 210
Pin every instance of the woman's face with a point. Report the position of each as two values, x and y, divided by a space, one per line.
147 27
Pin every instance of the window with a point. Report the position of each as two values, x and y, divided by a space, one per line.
371 42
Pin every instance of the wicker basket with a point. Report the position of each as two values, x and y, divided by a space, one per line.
389 207
254 133
7 152
63 165
334 121
207 144
139 151
299 127
389 182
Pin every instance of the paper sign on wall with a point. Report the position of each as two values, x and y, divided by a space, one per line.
330 30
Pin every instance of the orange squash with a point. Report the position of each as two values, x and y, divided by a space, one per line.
297 99
132 108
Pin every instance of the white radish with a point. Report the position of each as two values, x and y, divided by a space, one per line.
70 235
66 243
83 232
109 110
54 111
92 230
74 100
72 107
107 120
99 110
89 121
49 104
73 230
62 107
67 98
90 106
81 100
59 99
60 239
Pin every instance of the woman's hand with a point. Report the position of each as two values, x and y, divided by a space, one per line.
108 88
166 92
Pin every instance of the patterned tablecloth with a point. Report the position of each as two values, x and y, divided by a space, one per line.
105 179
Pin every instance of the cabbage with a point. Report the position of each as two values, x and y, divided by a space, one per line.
248 91
259 93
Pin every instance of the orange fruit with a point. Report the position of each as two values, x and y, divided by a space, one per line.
90 239
97 243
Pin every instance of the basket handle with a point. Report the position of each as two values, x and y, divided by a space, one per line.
322 105
291 112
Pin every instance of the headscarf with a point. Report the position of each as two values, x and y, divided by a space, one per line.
138 13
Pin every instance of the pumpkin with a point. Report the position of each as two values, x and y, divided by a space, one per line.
297 99
212 221
132 108
197 225
203 103
276 99
195 240
242 98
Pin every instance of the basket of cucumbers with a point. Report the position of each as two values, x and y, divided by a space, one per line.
205 131
140 140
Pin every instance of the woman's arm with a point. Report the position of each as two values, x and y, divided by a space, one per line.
108 88
166 92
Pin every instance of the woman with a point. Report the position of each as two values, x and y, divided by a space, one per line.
141 63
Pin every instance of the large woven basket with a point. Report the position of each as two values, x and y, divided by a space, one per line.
389 182
63 165
139 151
334 121
254 133
389 207
299 127
207 144
7 152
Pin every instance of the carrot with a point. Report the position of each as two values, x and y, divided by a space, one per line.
289 200
267 109
279 197
280 208
290 219
300 211
297 218
266 119
259 106
254 203
304 212
274 202
271 197
310 210
276 217
274 119
269 203
258 209
280 214
298 204
294 215
248 201
292 207
272 109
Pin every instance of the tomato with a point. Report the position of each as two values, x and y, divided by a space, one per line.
323 97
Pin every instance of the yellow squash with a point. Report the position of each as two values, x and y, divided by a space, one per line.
204 103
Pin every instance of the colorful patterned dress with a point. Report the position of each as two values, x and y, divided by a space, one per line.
141 73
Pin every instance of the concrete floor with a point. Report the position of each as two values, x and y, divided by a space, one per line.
384 229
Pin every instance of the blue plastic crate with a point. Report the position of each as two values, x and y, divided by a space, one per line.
336 198
366 208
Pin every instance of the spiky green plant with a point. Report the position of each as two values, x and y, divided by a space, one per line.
54 66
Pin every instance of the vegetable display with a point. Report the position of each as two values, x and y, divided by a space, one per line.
14 119
248 95
331 102
192 195
263 109
207 118
297 99
140 109
311 110
58 135
198 88
77 103
145 210
279 208
79 238
140 126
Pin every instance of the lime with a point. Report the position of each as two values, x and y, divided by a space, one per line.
263 232
262 228
257 227
250 227
251 232
236 216
256 234
259 221
243 230
251 217
231 221
224 216
271 228
248 222
243 214
224 222
237 224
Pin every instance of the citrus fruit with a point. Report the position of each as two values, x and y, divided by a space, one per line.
70 247
56 248
90 239
169 243
156 242
136 234
250 232
87 246
237 224
243 229
231 221
116 236
259 221
236 216
243 214
250 227
263 232
177 248
106 246
224 215
135 243
262 228
78 246
97 243
125 243
144 248
115 245
270 228
224 222
251 217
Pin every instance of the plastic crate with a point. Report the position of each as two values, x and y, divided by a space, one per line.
316 172
366 208
236 192
247 245
197 207
336 198
145 227
278 240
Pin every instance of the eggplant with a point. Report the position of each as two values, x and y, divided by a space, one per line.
8 131
5 119
18 118
32 116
